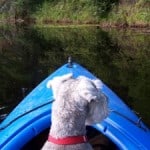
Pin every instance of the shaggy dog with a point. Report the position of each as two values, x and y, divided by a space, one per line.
78 102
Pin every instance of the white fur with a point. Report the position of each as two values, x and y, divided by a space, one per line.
78 102
56 82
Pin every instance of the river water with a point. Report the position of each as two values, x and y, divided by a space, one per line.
119 57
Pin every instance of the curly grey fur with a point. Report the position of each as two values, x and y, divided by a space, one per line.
76 100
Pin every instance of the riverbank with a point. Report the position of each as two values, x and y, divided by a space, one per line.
104 14
135 15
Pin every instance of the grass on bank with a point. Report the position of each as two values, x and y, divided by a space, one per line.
66 12
131 15
3 16
102 12
87 12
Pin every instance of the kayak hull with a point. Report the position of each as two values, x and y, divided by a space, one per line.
33 115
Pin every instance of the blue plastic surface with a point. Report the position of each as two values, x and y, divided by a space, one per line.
32 116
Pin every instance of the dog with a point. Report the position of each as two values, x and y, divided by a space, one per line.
78 102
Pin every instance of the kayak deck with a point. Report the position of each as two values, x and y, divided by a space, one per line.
32 116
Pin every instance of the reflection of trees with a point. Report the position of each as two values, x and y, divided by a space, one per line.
133 64
20 57
31 53
27 55
89 46
121 61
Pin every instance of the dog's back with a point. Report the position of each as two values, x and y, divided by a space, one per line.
68 114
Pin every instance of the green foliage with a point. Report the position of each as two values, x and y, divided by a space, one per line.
104 6
103 12
3 16
140 13
143 3
85 11
131 15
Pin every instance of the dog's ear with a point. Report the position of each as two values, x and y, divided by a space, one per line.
59 79
48 85
56 82
98 83
88 95
98 110
66 77
88 89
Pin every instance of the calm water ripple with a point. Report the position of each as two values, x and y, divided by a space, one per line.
120 58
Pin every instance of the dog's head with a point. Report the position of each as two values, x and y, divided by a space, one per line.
90 90
86 91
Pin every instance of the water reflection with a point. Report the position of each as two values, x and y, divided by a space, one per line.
119 58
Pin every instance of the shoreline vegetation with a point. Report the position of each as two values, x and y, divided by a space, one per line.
103 13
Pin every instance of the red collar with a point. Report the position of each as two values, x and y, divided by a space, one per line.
68 140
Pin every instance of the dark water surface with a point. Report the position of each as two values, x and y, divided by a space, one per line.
120 58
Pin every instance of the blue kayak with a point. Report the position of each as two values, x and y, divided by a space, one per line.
32 117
